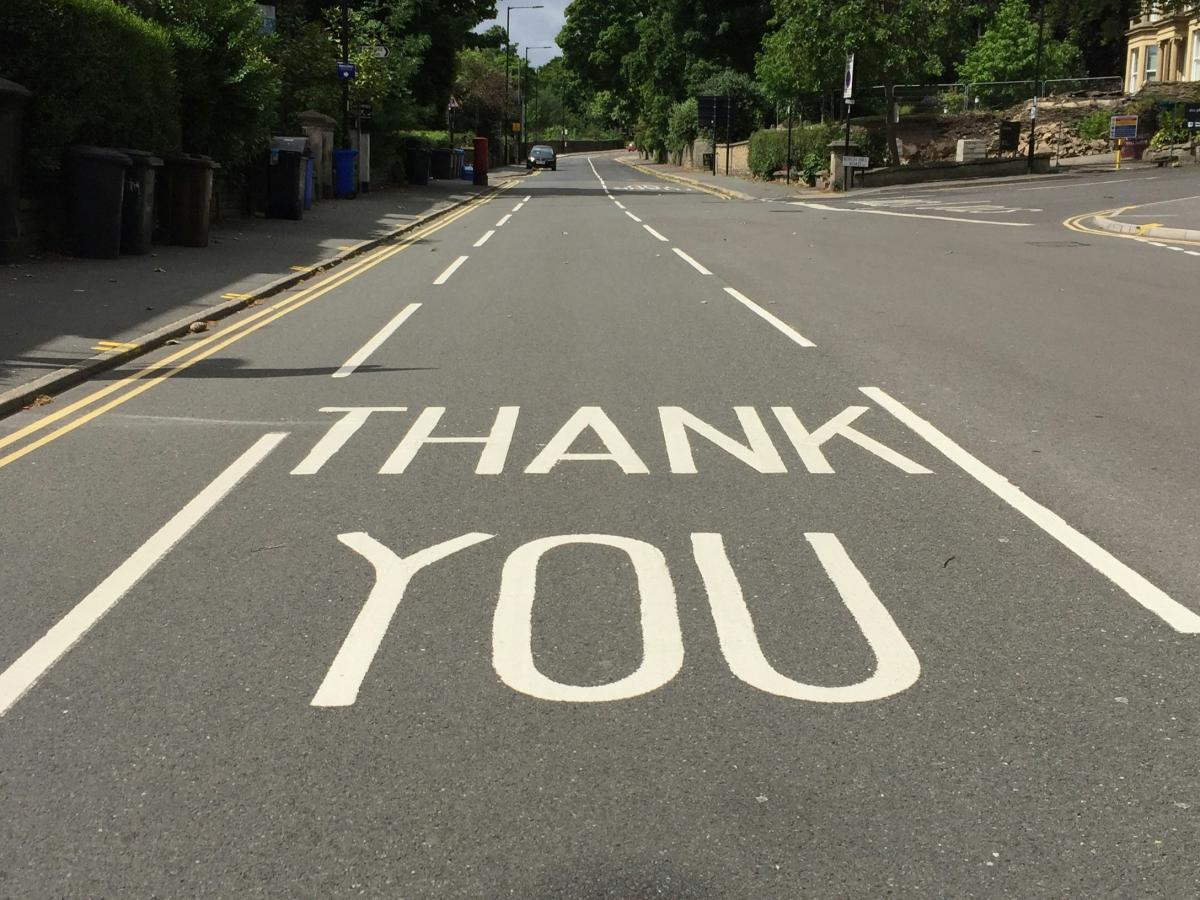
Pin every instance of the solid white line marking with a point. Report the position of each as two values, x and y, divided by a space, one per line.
504 219
779 324
655 233
691 262
450 270
376 342
50 648
517 208
1174 614
1178 249
620 205
632 216
886 212
483 240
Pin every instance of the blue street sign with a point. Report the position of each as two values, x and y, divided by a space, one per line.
346 71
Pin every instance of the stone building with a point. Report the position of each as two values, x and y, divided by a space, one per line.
1163 45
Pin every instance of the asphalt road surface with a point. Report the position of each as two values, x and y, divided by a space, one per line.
615 540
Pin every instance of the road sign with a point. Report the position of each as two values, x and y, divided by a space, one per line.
347 71
1193 117
380 52
516 126
366 111
848 83
856 162
1010 136
1122 127
711 110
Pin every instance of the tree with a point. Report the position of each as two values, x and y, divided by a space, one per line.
893 41
227 84
1007 50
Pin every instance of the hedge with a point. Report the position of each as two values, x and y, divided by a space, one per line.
768 148
99 74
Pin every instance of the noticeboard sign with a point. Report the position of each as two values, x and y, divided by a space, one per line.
1122 127
1010 136
1193 116
347 71
848 81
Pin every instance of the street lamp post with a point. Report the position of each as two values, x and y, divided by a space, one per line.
1037 74
507 53
523 87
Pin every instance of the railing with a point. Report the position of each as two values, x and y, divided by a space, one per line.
1106 83
994 94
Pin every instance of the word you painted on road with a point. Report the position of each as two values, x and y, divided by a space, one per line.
679 428
896 665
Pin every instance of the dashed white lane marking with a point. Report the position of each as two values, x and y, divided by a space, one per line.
1174 614
517 208
483 240
691 262
376 342
632 216
620 205
504 219
1191 253
450 270
50 648
655 233
782 326
887 212
527 198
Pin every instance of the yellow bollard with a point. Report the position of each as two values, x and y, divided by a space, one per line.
1118 166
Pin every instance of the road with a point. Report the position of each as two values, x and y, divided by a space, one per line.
611 539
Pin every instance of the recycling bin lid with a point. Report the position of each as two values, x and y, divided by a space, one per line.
142 158
191 159
14 91
290 144
106 154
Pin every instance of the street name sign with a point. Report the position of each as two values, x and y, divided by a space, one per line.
856 162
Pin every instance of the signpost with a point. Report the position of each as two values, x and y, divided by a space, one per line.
1119 128
711 109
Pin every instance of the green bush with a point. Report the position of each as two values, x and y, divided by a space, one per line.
1095 126
768 153
1172 129
768 148
99 73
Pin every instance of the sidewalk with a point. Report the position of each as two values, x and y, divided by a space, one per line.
55 310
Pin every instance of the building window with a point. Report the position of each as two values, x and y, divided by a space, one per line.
1196 55
1133 70
1151 63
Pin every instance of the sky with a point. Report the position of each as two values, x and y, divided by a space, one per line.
533 27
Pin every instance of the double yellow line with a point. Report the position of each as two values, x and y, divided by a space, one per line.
1075 223
90 407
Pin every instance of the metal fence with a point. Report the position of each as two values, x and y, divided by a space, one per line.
997 94
1108 84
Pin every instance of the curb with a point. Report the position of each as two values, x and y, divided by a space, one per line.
1158 231
722 192
61 379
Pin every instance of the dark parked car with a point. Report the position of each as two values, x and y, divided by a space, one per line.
542 156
